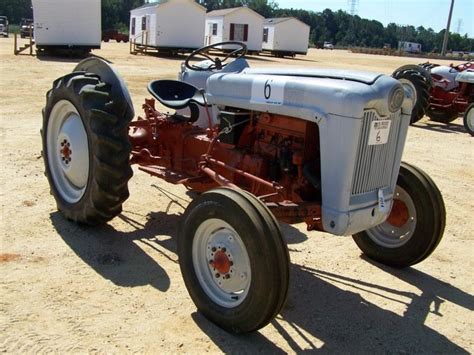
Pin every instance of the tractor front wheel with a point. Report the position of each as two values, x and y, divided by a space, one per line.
469 119
86 149
233 259
417 81
415 225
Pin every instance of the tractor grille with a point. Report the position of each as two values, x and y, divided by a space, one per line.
374 163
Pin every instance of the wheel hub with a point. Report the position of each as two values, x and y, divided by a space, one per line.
399 214
221 262
65 151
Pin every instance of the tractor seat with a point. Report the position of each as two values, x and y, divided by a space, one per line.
175 94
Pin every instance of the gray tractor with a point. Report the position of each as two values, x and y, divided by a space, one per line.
258 147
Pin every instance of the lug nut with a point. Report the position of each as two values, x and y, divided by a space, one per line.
227 277
213 249
218 275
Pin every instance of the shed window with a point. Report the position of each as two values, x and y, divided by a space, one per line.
144 23
214 29
133 26
239 32
265 34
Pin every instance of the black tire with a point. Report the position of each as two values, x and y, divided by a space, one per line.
106 40
429 223
442 116
468 119
267 252
421 81
106 125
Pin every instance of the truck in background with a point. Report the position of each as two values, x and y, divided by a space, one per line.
409 47
4 26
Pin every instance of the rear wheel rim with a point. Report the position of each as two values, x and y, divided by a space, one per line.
68 151
410 87
395 235
221 263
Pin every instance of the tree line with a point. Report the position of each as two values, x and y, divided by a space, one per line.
338 27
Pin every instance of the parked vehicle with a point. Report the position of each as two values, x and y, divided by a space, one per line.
4 26
409 47
108 35
260 146
452 90
26 28
328 45
442 92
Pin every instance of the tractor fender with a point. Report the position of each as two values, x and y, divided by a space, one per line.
119 90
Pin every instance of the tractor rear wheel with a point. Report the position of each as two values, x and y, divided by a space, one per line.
417 81
86 149
233 259
415 225
442 116
469 119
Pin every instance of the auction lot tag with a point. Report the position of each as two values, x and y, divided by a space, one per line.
268 90
379 131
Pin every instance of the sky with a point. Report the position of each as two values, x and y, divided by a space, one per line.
426 13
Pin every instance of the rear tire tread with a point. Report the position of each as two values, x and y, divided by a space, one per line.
109 168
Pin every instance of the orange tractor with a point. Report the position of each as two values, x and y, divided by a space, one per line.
259 147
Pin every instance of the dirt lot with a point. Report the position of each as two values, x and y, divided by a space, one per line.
118 288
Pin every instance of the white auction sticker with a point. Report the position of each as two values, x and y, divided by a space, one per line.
268 90
379 131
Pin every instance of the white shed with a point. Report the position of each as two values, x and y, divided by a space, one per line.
285 36
61 24
239 24
177 24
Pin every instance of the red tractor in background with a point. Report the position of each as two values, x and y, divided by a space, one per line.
441 92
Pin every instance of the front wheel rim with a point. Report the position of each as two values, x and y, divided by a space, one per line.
396 232
221 263
67 151
470 119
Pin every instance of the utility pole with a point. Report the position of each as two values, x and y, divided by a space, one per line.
353 4
446 34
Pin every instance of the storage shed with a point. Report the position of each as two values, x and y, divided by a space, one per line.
67 25
169 24
239 24
285 36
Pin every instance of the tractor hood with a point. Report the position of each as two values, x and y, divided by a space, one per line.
308 94
358 76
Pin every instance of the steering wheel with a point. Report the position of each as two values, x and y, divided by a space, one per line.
217 63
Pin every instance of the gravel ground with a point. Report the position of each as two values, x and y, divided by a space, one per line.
118 288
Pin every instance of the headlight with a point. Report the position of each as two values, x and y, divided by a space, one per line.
395 100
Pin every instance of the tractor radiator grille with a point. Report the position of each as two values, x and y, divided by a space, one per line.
374 163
